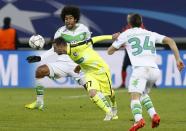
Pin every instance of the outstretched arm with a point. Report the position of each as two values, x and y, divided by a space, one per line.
33 59
117 44
102 38
174 48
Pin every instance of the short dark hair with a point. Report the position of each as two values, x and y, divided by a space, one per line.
70 10
59 40
135 20
7 21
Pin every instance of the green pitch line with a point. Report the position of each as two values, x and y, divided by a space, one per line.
71 110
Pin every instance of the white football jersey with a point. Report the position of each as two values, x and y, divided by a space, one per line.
140 46
80 33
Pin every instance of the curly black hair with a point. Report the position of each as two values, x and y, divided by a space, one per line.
70 10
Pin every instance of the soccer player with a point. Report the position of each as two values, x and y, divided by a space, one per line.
64 66
126 60
140 45
97 72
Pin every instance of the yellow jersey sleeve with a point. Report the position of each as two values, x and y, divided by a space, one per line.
101 38
83 45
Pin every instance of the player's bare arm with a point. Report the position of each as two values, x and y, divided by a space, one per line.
115 36
174 48
111 50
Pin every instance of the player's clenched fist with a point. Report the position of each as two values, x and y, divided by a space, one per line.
180 64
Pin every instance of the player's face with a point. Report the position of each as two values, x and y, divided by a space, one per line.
70 21
60 48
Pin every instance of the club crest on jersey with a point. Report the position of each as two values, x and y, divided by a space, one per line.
82 36
75 54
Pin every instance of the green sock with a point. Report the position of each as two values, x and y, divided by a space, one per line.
101 103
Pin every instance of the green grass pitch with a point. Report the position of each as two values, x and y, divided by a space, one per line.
71 110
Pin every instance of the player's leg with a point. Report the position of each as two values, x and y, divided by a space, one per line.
99 100
137 85
106 89
147 103
146 100
136 109
112 101
53 71
96 96
41 72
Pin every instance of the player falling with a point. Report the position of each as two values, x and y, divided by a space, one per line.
140 46
97 72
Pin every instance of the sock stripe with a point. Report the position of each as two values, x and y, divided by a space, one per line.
147 99
136 111
137 106
147 103
39 90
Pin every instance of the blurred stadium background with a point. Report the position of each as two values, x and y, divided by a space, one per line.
102 17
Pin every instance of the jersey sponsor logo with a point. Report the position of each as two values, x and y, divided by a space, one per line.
135 82
80 60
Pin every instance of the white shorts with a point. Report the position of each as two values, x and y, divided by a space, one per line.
60 69
142 79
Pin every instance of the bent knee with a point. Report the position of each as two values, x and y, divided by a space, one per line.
92 93
42 71
135 96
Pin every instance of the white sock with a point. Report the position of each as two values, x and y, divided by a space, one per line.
40 91
151 112
136 110
40 99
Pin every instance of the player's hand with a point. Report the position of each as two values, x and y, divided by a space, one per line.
180 64
32 59
115 36
77 69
